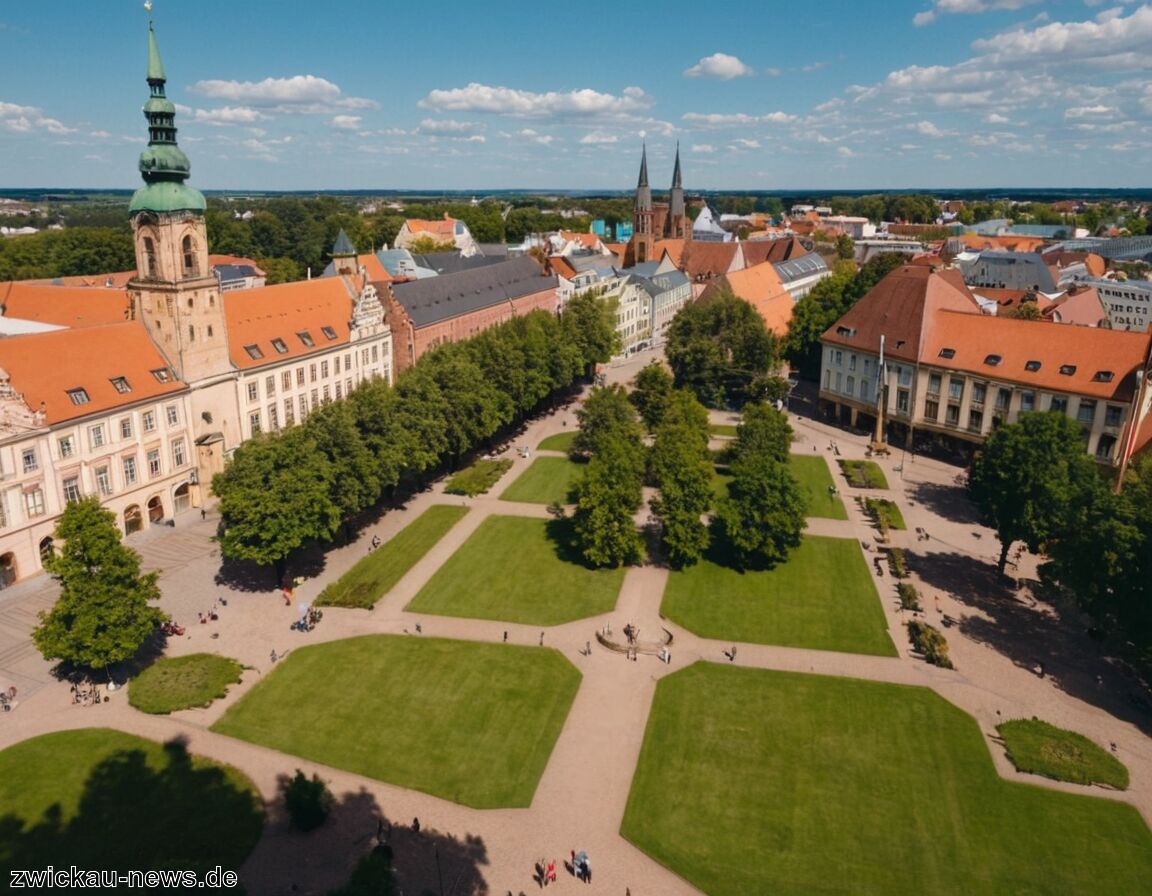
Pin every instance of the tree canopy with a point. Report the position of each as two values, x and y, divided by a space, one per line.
103 615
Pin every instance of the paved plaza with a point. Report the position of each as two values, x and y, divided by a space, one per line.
581 796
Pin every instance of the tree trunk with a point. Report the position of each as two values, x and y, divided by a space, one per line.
1004 546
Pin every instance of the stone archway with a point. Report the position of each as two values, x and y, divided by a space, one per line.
155 510
133 520
7 569
181 498
47 549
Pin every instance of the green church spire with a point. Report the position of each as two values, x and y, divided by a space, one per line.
163 164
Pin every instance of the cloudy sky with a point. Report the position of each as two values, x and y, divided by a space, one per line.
465 95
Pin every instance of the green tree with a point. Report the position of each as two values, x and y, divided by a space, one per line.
1026 310
845 248
275 496
607 498
102 615
606 415
426 245
1028 476
589 322
354 483
307 800
651 394
721 350
682 470
279 270
763 431
476 409
761 519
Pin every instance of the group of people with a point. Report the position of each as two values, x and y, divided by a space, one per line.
580 867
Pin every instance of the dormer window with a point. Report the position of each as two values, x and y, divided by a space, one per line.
120 384
78 396
329 332
306 338
1067 369
1102 376
254 352
280 346
1032 366
162 374
947 353
992 360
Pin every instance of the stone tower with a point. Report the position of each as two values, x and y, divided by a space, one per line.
174 291
679 226
643 235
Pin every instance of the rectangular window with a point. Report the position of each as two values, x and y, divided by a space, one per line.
1003 397
1087 412
125 427
173 413
311 373
67 446
96 436
339 391
329 332
905 375
952 415
148 421
179 454
72 489
254 352
289 415
104 481
120 384
364 356
1113 415
979 391
253 391
315 399
955 389
336 364
327 394
375 354
839 359
839 381
902 401
269 386
851 385
273 417
129 471
931 410
286 380
280 346
1059 404
1027 401
933 384
154 462
78 396
254 422
162 374
324 370
975 420
299 376
851 362
34 502
303 407
348 385
306 338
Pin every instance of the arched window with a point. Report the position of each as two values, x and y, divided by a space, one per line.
149 258
189 248
47 549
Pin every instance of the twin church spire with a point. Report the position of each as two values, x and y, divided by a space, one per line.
652 222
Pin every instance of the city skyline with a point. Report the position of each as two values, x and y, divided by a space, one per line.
922 93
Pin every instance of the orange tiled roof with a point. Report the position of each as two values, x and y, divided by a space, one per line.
257 316
239 261
674 248
587 240
114 280
445 227
618 250
559 265
1082 352
95 355
1082 306
757 251
66 306
376 271
760 286
702 259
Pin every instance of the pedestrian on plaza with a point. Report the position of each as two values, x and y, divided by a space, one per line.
203 513
416 825
419 628
587 648
732 655
541 639
505 637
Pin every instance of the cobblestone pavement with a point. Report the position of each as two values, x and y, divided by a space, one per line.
581 797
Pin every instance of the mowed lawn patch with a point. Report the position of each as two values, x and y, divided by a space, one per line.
183 682
1040 748
517 569
812 473
469 722
561 441
795 784
546 480
822 598
99 798
372 577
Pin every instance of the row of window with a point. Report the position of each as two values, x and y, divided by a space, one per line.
315 371
34 504
257 421
98 436
80 396
256 353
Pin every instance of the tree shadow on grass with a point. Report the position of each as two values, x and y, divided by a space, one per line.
1033 637
562 533
132 816
949 502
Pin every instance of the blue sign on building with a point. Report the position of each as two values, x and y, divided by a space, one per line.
623 232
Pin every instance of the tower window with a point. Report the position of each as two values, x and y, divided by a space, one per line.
189 247
191 334
149 258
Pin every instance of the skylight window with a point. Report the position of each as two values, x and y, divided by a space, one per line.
1067 369
947 353
1103 376
78 396
254 352
162 374
120 384
280 346
848 332
306 338
329 332
992 360
1032 365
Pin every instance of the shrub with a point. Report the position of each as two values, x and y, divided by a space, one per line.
928 641
308 800
909 597
183 682
478 478
863 474
884 513
897 563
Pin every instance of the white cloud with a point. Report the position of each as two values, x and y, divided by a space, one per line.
526 103
969 7
773 72
736 119
703 148
596 138
535 136
844 152
745 143
1116 38
228 115
996 118
346 122
474 138
26 119
446 126
1090 112
928 129
719 65
300 93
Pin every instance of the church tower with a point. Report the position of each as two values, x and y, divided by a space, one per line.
643 236
679 227
174 291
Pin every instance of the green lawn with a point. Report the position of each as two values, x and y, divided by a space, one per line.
510 569
478 478
720 482
723 430
863 473
792 785
823 598
183 682
371 578
885 513
547 479
562 441
1042 749
98 798
469 722
812 473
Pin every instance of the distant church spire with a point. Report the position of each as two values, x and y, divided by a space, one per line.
643 182
676 200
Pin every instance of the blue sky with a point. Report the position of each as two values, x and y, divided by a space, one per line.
465 95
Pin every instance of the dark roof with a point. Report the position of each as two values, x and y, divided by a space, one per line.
229 272
343 244
453 262
782 249
451 295
798 268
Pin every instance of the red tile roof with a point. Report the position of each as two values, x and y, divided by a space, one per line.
67 306
760 286
87 359
702 260
445 227
757 251
1082 306
257 316
115 280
